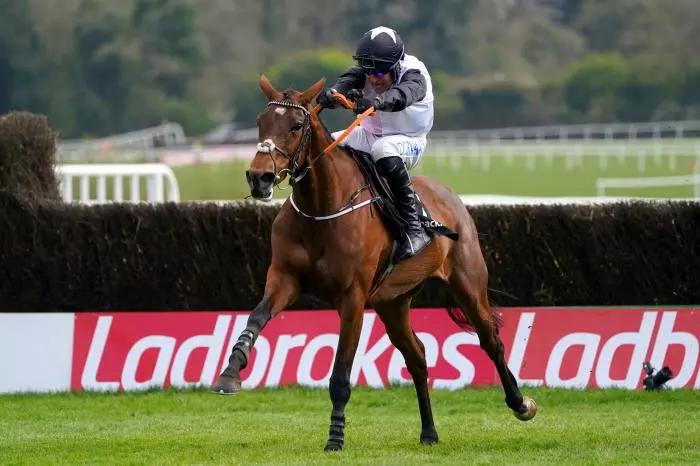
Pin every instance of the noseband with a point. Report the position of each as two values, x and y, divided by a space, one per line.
268 146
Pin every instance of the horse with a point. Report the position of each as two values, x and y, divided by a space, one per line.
315 247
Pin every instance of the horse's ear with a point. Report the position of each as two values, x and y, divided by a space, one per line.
309 94
270 92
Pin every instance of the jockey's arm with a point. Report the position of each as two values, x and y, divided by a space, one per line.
353 78
411 89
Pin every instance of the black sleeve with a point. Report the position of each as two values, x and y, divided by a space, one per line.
411 89
353 78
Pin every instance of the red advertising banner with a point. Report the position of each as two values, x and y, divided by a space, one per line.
559 347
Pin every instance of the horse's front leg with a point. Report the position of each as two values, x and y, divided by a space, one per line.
350 309
281 289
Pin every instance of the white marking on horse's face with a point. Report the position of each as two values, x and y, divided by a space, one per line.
280 110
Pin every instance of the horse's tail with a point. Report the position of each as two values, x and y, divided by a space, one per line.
461 318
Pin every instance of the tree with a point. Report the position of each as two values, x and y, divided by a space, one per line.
690 87
594 83
102 91
296 72
169 50
20 60
434 31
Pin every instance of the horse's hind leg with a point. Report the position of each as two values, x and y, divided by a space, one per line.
469 289
394 314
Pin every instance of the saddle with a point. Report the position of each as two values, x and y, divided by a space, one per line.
380 189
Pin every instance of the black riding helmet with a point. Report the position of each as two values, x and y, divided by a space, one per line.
379 50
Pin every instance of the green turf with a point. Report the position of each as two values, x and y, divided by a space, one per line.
538 176
289 426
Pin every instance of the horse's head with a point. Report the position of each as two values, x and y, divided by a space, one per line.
284 133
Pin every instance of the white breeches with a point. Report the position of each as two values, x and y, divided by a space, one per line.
408 148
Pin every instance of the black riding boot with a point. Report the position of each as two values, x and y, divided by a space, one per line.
414 238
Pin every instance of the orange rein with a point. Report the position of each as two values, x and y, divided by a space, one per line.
347 104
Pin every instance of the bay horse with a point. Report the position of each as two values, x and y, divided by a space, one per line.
339 257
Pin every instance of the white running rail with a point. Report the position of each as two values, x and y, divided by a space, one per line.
651 181
157 176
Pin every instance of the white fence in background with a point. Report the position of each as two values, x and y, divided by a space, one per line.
589 131
161 184
674 144
650 182
483 154
134 145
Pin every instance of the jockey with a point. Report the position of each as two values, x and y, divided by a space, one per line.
398 86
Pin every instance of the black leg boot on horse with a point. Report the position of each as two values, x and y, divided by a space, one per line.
229 382
414 238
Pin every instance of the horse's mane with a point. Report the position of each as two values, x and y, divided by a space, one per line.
325 128
326 131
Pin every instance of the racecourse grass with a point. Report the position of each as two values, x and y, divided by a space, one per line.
289 426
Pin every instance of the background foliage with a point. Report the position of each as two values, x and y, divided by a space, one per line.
97 67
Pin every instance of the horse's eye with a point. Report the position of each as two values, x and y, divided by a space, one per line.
297 127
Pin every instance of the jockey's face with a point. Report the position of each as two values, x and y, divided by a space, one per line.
380 82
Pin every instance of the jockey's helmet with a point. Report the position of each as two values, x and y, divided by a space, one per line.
379 50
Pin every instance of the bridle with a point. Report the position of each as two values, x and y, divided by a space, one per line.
268 146
298 172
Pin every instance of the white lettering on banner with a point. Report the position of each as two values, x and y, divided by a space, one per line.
458 361
165 346
366 358
118 354
640 341
284 344
517 354
326 340
590 342
397 362
667 337
213 343
88 380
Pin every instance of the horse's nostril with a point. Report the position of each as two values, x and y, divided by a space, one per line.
267 177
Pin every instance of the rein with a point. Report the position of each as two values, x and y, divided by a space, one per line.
268 146
356 122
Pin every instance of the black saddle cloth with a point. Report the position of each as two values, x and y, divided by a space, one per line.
379 188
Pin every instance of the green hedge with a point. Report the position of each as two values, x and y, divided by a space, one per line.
57 257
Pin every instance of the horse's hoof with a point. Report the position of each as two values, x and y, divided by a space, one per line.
528 409
429 439
333 446
226 385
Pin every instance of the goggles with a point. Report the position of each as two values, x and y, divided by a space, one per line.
374 66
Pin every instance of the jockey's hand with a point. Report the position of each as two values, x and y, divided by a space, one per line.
354 95
364 103
326 99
